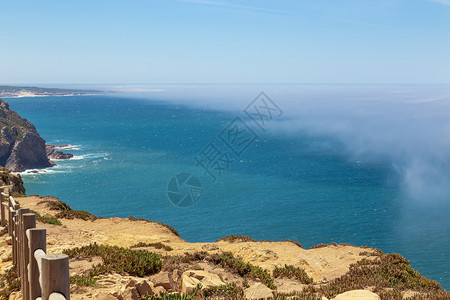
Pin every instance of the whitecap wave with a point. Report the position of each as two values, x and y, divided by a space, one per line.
105 156
68 147
50 170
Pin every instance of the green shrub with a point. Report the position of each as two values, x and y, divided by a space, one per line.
227 291
10 282
158 245
292 272
237 265
66 212
225 260
46 220
293 242
386 271
120 260
236 238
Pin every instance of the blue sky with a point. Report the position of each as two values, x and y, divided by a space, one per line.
209 41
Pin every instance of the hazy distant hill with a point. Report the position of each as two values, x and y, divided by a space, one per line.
30 91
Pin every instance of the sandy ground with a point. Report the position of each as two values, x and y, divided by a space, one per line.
324 263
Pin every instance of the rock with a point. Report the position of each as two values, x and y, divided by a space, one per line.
118 295
52 153
3 230
15 296
258 291
144 287
9 240
357 295
192 278
159 290
14 180
163 279
288 286
6 256
176 275
188 284
108 297
130 284
21 146
130 294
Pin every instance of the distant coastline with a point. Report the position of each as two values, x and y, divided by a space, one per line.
7 91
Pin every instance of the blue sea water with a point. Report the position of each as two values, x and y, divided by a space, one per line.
297 184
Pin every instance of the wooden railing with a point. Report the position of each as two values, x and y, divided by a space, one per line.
42 276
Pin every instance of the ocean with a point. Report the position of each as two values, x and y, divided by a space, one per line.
365 165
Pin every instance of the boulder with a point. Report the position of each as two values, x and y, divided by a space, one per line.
7 256
192 278
188 284
163 279
141 285
130 293
144 287
159 290
357 295
107 297
52 153
15 296
258 291
3 230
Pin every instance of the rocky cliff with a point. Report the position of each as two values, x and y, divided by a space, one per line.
52 153
21 146
13 180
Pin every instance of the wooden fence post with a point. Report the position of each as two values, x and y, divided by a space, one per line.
2 208
29 222
37 240
15 229
20 235
55 275
42 276
12 225
10 217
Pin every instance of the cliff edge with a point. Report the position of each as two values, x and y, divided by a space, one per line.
132 259
21 146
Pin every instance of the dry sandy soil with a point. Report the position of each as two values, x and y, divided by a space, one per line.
324 263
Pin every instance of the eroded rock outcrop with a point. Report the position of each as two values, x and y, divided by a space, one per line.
53 153
21 146
13 180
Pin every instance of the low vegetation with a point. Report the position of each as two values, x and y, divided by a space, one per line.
293 242
66 212
154 245
173 230
7 178
384 272
226 260
236 238
330 244
387 274
120 260
293 273
9 282
45 219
